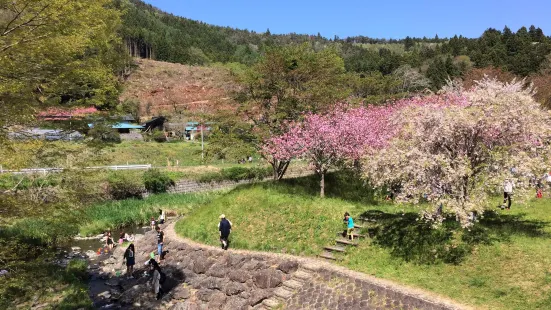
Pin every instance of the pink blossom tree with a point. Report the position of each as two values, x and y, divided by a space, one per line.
328 140
457 154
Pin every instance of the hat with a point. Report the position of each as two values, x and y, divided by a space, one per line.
222 216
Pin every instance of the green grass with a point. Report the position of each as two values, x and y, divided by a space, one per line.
116 214
506 263
37 281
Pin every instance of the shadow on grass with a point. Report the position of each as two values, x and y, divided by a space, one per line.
345 185
418 241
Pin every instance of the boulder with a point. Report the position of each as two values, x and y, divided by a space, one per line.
258 295
268 278
213 283
234 288
217 270
204 294
187 305
239 276
181 292
288 266
236 303
217 301
201 266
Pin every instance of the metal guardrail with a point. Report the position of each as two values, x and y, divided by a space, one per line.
48 170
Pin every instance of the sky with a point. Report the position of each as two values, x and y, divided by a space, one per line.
373 18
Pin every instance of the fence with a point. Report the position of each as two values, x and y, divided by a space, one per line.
48 170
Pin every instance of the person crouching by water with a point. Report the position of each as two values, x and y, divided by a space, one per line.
224 227
129 256
161 216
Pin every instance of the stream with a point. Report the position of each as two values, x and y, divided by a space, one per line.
94 251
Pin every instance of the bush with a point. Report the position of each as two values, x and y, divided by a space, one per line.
159 136
104 133
156 182
124 186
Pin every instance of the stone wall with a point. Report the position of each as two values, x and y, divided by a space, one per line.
205 277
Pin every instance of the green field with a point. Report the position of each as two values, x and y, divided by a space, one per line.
504 262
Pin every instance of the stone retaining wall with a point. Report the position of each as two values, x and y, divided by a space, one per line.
205 277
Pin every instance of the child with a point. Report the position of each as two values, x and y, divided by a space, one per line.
130 260
153 223
109 240
121 237
349 226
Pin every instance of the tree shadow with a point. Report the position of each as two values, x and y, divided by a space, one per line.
415 240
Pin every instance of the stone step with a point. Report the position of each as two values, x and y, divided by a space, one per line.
302 276
310 267
335 248
356 235
292 284
283 293
346 241
271 303
327 255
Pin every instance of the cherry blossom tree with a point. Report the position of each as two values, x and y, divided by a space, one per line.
328 140
458 153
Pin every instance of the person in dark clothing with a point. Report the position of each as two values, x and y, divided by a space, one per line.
225 229
129 256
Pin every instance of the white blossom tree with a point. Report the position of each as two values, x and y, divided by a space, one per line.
459 154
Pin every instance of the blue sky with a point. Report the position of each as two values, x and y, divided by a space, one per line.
373 18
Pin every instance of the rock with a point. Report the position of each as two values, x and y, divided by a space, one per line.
201 266
104 294
288 266
75 249
113 282
257 296
217 270
239 276
236 303
181 292
187 305
212 283
251 265
245 295
217 300
204 294
234 288
268 278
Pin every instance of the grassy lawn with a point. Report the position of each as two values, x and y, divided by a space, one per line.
502 263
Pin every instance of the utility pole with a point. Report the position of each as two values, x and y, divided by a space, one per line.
202 140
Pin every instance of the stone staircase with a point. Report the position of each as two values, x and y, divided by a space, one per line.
331 252
289 288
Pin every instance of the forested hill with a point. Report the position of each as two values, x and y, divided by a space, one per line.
151 33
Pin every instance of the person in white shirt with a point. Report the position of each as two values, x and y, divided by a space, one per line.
508 186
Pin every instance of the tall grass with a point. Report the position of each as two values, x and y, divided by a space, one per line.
116 214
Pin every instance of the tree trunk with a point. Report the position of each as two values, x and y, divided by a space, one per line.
280 167
322 185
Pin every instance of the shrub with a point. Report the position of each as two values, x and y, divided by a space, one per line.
159 136
124 186
156 182
104 133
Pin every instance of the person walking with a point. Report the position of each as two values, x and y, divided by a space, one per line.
160 242
129 256
349 226
224 227
508 186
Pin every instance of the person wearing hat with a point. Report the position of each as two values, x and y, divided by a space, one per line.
224 227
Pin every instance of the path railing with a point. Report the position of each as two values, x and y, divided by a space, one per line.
51 170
